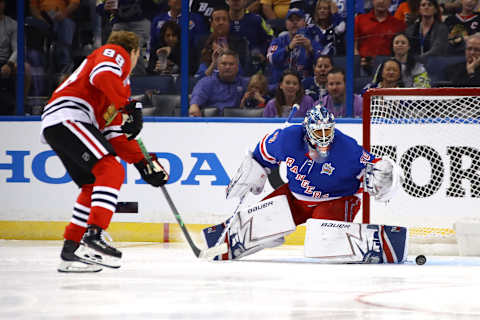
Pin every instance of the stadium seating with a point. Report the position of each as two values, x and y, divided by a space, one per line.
163 105
436 68
162 84
210 112
206 112
242 112
178 83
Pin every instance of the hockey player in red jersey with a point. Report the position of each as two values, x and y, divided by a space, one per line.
83 123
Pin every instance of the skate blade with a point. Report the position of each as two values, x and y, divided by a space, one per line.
89 255
78 267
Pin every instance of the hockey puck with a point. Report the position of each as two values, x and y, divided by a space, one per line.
420 259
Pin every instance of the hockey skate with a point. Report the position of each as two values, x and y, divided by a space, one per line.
102 253
72 260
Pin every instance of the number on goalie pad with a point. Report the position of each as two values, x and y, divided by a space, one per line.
345 242
250 177
254 228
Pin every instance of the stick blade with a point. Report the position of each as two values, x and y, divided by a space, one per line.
214 251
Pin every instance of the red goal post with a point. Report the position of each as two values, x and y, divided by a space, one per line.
434 135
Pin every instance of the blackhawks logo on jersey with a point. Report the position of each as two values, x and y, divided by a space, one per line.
109 114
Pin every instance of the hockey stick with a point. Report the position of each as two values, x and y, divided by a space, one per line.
220 242
214 251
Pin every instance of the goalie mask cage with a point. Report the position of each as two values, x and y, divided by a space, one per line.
434 136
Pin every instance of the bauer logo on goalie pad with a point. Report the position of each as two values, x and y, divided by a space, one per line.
262 206
335 225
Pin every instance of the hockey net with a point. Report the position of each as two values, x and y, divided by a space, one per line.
434 135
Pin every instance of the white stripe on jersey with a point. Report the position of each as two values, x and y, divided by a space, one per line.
62 114
105 66
93 138
105 197
264 153
106 189
78 214
81 132
108 197
78 222
111 132
81 207
104 205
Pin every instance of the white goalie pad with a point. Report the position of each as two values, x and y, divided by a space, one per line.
382 179
250 177
467 233
260 226
344 242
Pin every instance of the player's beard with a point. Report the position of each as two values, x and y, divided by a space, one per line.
318 154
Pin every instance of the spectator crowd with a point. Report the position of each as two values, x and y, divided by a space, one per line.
252 54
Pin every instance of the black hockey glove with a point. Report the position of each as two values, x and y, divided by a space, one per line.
153 173
134 119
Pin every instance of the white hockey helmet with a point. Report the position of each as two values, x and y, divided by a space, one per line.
319 125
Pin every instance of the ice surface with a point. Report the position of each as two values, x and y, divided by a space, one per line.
166 281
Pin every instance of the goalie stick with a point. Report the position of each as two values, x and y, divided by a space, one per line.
220 242
209 252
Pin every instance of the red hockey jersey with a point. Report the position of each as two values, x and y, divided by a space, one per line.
93 93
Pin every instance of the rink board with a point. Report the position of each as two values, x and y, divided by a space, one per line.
37 194
120 231
201 156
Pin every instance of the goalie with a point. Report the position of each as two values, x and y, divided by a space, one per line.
325 170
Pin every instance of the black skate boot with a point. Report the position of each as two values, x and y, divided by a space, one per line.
103 253
72 260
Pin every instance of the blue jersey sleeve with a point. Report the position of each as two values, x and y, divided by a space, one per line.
269 151
360 157
277 52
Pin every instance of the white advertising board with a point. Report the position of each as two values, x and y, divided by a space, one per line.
442 164
201 158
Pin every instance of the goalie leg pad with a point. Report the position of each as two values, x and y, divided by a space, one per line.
254 228
346 242
212 234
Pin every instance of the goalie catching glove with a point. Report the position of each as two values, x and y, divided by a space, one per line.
133 119
152 171
382 179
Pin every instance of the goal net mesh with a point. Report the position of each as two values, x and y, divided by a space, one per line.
434 136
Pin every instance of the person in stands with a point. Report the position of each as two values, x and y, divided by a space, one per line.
289 92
